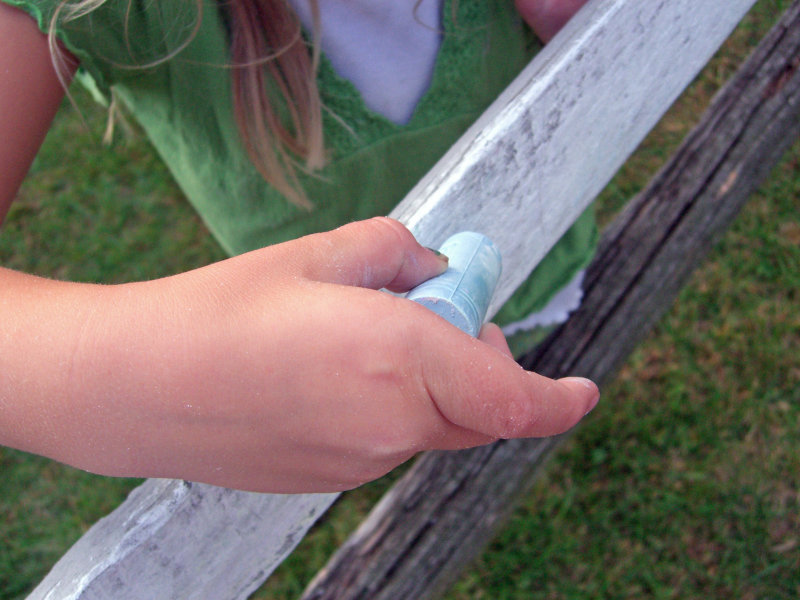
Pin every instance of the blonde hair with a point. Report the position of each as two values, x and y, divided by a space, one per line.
277 106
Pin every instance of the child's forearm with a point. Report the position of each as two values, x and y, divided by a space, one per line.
30 94
42 324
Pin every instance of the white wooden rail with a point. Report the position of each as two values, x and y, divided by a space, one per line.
522 174
441 514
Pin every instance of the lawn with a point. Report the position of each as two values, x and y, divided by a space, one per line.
684 482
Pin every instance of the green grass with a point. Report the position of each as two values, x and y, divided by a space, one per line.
684 483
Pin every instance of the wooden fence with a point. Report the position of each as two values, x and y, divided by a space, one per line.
521 174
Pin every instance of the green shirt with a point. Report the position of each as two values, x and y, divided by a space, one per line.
185 106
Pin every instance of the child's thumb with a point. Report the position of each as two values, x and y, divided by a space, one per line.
377 253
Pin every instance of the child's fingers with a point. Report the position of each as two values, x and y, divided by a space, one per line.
493 335
377 253
483 390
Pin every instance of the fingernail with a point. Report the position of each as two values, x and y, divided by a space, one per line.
443 258
438 254
588 384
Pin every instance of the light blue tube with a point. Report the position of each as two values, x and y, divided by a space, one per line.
461 295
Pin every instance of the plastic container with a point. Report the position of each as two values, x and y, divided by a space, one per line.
462 294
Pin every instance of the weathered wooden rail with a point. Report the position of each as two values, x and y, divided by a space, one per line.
541 153
442 513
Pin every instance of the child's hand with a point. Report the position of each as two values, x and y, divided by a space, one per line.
283 370
547 17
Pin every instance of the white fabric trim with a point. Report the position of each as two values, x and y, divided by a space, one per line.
556 311
386 48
